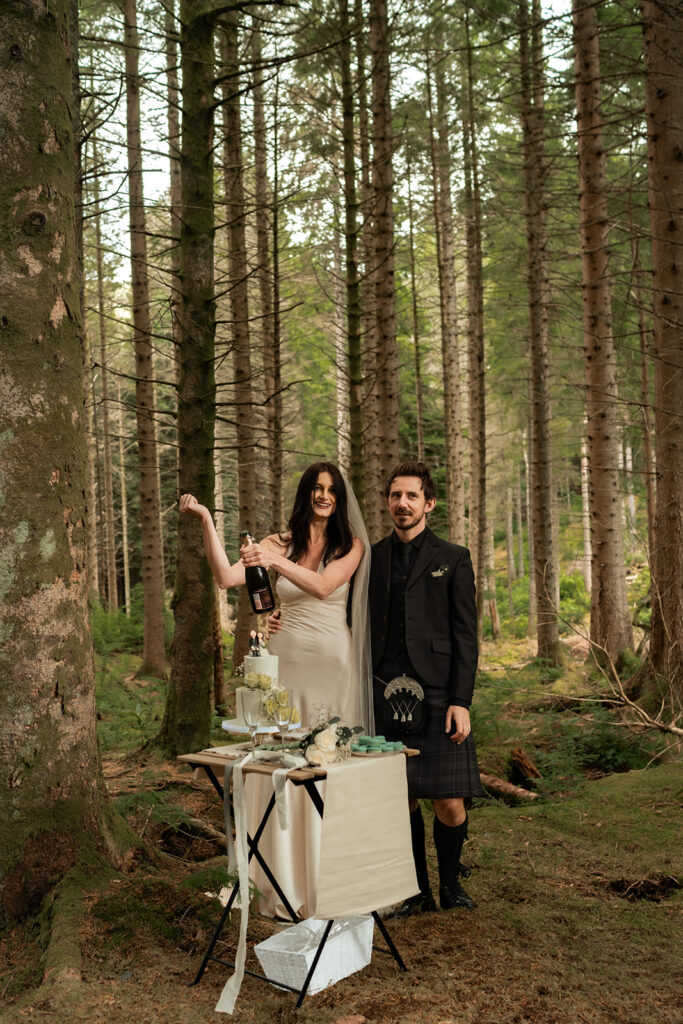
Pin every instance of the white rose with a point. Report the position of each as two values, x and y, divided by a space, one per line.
316 756
327 739
251 680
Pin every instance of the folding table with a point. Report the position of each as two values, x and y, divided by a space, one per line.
213 763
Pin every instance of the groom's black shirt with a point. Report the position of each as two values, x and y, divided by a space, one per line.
396 660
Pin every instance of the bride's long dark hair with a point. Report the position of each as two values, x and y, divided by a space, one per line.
339 533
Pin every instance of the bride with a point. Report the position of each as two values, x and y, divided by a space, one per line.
324 552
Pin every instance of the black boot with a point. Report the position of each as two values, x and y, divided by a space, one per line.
449 841
423 901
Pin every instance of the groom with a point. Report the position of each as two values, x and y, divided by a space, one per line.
424 625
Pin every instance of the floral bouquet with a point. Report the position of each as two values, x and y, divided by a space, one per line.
272 695
329 742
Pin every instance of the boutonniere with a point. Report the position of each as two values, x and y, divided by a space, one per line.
441 571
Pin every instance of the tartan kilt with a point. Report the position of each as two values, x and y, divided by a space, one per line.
443 769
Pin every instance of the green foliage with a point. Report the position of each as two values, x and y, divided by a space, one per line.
116 631
129 708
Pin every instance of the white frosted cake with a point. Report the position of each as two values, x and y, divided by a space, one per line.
262 665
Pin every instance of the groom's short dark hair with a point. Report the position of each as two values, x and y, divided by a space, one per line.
418 469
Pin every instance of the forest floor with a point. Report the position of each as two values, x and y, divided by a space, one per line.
579 897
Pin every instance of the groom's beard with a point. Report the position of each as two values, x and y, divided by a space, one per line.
402 520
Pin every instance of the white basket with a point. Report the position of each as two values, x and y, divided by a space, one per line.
287 956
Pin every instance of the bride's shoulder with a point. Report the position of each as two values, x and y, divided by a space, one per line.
279 541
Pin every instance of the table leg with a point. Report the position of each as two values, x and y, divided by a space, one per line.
389 941
314 964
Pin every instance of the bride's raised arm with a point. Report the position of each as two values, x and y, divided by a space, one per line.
226 575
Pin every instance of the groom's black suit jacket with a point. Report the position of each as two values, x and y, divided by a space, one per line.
440 616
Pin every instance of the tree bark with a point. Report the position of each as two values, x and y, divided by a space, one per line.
173 105
475 333
354 341
187 719
52 795
238 271
663 46
264 275
386 355
443 219
124 506
610 620
419 414
152 563
109 533
546 564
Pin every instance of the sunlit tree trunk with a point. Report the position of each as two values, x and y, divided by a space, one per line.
510 546
491 599
663 46
238 271
152 564
52 796
547 570
520 523
187 720
610 620
91 500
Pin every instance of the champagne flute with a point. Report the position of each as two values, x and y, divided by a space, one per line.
283 713
251 708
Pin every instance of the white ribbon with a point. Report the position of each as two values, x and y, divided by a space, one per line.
238 856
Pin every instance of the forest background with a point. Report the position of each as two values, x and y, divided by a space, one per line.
241 237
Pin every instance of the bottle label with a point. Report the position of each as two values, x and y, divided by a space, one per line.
261 599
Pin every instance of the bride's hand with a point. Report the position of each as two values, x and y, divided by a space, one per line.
274 622
254 554
191 507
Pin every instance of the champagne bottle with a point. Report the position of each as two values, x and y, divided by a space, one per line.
258 583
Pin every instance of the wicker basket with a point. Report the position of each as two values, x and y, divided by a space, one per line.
287 956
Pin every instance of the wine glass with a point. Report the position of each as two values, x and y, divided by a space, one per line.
283 713
251 709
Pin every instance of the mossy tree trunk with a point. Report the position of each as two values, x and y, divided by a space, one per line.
663 40
52 796
187 719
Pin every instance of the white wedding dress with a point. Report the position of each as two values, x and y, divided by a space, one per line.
315 663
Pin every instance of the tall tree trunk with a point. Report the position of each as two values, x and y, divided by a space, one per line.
491 598
586 516
475 333
187 719
610 620
52 795
520 523
443 217
510 546
264 275
152 563
91 500
173 105
531 626
239 306
646 405
276 468
340 358
547 569
109 532
663 39
419 414
386 355
354 342
124 505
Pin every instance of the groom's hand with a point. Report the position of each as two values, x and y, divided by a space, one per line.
458 725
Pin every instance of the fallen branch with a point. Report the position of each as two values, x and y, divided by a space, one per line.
506 790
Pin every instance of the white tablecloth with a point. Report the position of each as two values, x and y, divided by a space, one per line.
357 859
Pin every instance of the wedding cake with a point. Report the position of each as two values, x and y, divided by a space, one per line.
263 665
